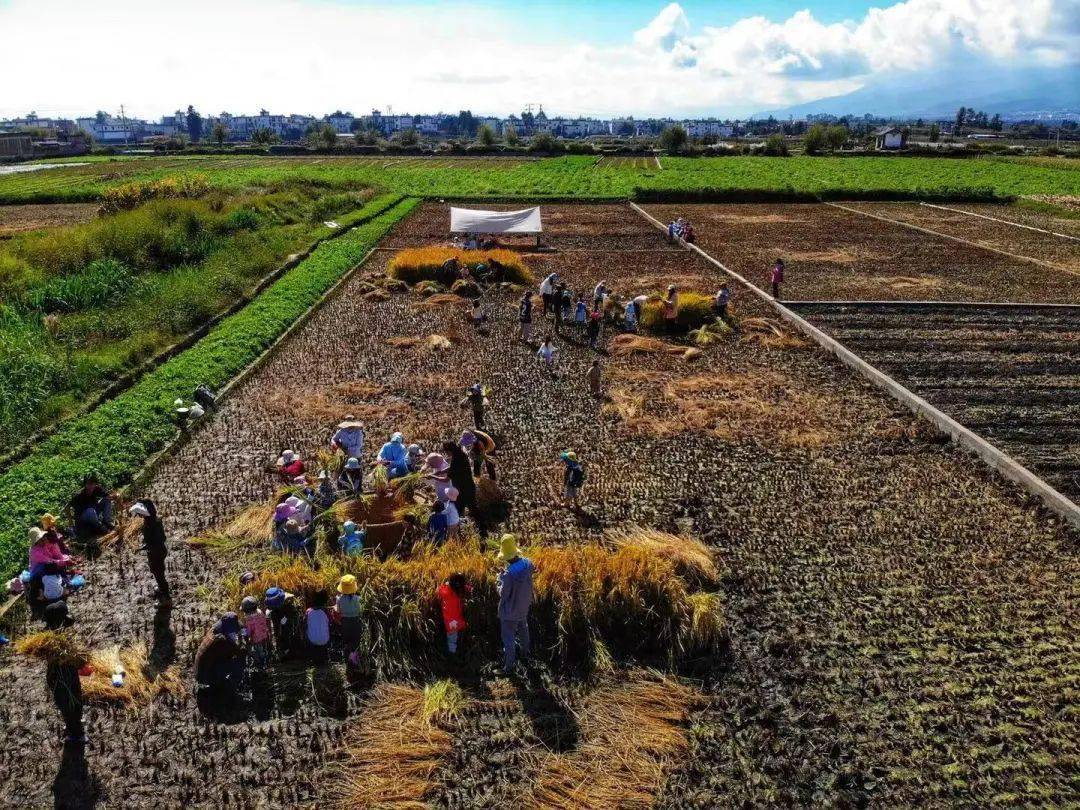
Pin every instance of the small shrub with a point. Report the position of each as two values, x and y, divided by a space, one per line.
414 265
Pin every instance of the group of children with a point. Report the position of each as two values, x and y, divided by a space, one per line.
681 229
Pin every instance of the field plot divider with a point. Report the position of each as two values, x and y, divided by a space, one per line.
995 458
969 243
1002 221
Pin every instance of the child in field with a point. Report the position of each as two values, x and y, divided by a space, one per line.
285 620
549 356
593 375
453 518
723 297
573 477
452 595
436 524
317 623
347 607
777 278
257 631
477 314
596 322
52 583
581 313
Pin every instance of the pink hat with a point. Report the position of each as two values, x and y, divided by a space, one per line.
284 511
436 462
452 494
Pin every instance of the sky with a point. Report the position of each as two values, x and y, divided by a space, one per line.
602 58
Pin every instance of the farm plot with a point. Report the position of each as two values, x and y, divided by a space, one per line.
641 162
1010 375
1051 251
1053 218
903 621
17 218
833 254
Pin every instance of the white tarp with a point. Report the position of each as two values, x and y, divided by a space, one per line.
468 220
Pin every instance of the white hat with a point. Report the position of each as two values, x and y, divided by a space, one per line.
299 480
288 456
138 509
414 450
397 438
352 464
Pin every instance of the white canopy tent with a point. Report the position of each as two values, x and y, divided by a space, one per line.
468 220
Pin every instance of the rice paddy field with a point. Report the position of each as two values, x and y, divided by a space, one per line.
561 177
861 613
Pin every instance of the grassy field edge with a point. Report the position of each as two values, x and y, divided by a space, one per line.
116 438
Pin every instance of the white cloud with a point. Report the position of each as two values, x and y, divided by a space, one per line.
317 55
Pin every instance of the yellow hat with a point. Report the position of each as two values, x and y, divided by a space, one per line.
48 521
347 584
508 547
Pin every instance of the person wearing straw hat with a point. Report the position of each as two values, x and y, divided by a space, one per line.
436 472
515 587
62 679
480 447
54 535
347 607
394 456
350 480
348 439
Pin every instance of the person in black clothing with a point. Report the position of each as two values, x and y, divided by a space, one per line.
219 661
525 316
91 510
461 477
62 679
475 397
154 545
560 292
286 623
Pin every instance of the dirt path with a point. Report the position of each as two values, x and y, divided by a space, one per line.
831 538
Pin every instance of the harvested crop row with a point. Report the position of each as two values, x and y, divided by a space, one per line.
836 255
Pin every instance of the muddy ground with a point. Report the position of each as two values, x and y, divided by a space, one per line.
902 620
17 218
836 255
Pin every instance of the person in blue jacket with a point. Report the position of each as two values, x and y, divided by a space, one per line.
395 456
515 598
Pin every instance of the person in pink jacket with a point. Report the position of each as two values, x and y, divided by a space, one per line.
44 550
777 278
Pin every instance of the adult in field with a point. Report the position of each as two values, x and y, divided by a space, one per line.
525 308
547 291
515 598
480 447
348 439
671 309
62 679
91 510
395 456
153 532
219 661
478 401
460 472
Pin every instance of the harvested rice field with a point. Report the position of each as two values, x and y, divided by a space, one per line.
1012 375
898 625
833 254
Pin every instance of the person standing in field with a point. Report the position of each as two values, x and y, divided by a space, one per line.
62 679
547 291
720 303
671 309
573 478
525 316
596 321
476 398
515 587
593 375
549 356
348 439
777 278
154 545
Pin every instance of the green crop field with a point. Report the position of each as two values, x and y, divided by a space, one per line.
572 176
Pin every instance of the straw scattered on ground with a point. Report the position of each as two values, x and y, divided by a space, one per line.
632 733
693 560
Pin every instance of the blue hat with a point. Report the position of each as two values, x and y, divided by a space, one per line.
229 624
275 597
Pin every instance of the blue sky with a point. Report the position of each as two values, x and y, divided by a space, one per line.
602 58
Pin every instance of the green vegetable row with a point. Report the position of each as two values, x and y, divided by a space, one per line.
116 439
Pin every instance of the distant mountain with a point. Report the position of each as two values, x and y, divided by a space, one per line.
1017 92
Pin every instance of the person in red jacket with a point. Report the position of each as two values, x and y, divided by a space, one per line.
452 595
289 465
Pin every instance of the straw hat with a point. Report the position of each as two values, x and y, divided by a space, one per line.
508 547
35 534
347 584
48 521
350 421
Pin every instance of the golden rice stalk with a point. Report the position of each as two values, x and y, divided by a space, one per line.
706 633
770 334
632 733
391 753
436 300
141 683
693 560
628 345
54 646
443 700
